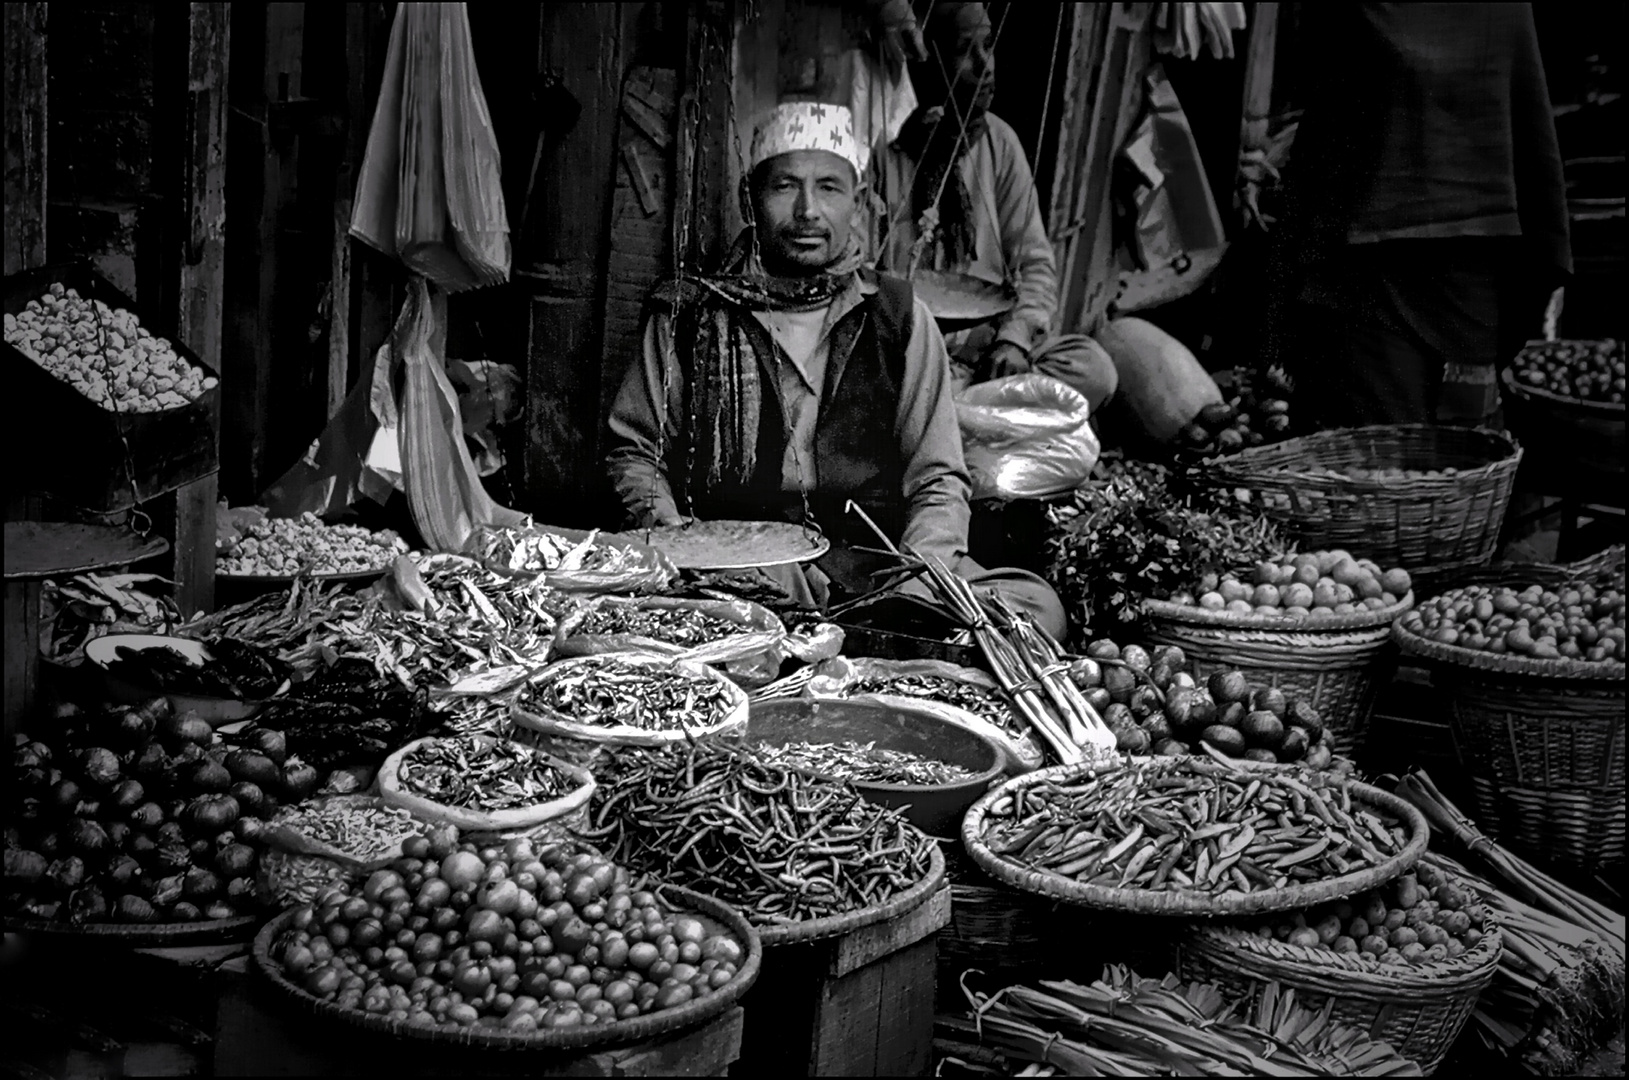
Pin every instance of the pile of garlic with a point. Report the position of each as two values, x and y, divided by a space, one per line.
104 353
284 547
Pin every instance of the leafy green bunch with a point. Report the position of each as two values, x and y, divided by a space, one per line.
1130 536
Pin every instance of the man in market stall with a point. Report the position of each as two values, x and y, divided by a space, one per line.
963 166
796 381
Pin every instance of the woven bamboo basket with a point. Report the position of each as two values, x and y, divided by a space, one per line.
1543 740
1564 431
1430 525
1420 1010
1336 663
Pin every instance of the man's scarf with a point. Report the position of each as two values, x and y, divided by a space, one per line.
724 390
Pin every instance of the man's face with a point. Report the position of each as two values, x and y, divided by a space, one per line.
963 45
804 202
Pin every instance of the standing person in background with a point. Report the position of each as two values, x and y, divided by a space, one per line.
1426 208
963 167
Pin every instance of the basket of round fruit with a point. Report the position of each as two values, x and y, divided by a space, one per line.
1314 626
1533 668
1155 703
141 824
510 946
1405 962
1417 495
1565 399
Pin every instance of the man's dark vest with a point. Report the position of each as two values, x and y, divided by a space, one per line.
857 453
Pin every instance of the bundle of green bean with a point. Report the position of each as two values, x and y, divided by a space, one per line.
866 763
780 846
1191 825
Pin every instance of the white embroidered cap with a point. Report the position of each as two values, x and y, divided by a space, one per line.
807 125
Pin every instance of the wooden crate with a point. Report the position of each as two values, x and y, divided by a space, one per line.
856 1005
65 445
261 1033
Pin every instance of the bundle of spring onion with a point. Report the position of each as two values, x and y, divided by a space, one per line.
1024 658
1124 1025
1558 993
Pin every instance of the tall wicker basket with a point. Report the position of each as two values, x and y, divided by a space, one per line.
1336 663
1328 490
1543 740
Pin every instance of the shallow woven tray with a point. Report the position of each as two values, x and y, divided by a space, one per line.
1604 410
690 1015
837 925
142 935
1189 904
1420 1009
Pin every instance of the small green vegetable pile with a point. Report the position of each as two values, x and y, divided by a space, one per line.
1132 537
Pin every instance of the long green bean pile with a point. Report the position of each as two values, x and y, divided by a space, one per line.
780 846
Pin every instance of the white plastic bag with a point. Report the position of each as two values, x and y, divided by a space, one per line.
1025 437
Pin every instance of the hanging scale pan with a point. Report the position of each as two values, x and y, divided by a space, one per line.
735 545
958 301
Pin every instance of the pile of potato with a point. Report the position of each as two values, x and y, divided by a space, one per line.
104 353
284 547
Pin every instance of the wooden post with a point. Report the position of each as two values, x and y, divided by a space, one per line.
1258 80
25 190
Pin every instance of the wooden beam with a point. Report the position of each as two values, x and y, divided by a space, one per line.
25 136
1258 79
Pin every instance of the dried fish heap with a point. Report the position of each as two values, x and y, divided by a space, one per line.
540 551
685 627
474 773
615 692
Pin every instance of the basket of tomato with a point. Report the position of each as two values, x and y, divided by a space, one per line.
1565 401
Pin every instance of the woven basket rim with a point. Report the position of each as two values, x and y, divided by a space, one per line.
1288 624
1600 410
1049 884
688 1016
1257 461
837 925
141 935
1472 969
1526 667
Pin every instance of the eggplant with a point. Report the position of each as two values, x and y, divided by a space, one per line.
185 728
201 885
133 909
254 767
250 827
88 808
209 814
299 779
87 904
170 832
14 838
39 750
209 776
136 728
66 874
149 815
49 844
251 797
173 809
235 860
65 796
128 795
87 838
24 758
185 912
167 890
241 891
151 762
158 708
271 743
142 845
99 766
118 835
123 871
24 869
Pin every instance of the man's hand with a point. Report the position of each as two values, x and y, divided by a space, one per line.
1004 358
